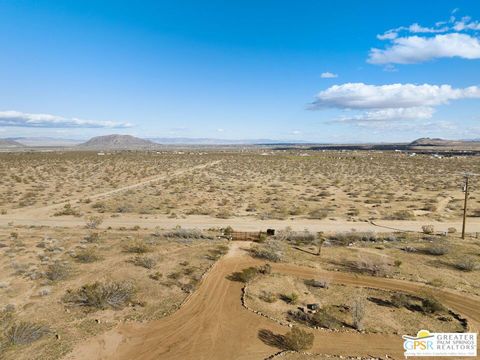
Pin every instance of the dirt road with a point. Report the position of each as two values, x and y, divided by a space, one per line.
212 324
40 217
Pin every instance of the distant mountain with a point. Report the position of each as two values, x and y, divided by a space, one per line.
10 144
213 141
45 141
117 142
436 142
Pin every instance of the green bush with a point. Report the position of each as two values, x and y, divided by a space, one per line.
245 275
400 300
298 340
432 306
291 298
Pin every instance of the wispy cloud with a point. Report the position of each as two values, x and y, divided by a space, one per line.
20 119
328 75
417 43
385 103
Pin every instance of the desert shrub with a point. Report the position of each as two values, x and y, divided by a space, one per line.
300 237
397 263
100 206
23 333
262 237
67 210
265 269
270 250
358 312
318 214
435 250
428 229
346 238
227 231
58 271
137 247
320 319
187 234
245 275
268 297
115 295
87 256
432 306
401 215
317 283
298 340
156 275
144 261
92 221
452 230
466 264
373 267
436 282
217 253
291 298
400 300
93 237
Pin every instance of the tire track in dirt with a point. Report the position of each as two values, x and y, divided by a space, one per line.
212 324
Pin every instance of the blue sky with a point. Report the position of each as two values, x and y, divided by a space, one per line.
241 69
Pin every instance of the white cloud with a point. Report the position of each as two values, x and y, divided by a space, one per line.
296 132
220 130
415 49
364 96
393 102
395 114
20 119
328 75
417 43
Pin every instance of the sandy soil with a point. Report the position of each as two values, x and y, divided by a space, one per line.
212 324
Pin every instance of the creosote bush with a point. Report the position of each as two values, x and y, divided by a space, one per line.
298 340
435 250
291 298
87 256
466 264
99 296
144 261
58 271
137 247
93 221
431 305
245 275
270 250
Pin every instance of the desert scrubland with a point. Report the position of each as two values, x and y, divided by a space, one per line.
87 287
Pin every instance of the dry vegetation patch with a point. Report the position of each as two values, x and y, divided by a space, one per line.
63 285
349 308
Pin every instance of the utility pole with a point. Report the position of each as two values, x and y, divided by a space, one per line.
465 189
465 205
